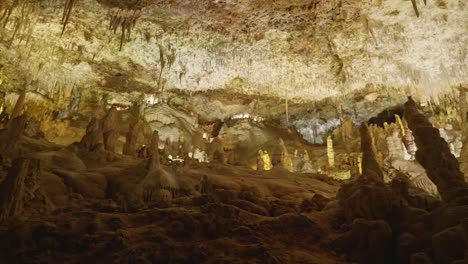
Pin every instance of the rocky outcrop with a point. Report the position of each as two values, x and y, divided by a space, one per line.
368 242
102 133
434 155
10 136
398 159
464 160
18 109
19 187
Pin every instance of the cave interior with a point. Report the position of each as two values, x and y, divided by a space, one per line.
234 131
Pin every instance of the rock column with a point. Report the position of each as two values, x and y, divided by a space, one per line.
434 154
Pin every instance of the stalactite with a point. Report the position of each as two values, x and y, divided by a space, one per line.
66 14
125 19
415 7
8 12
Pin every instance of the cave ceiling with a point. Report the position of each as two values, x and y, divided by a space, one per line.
294 49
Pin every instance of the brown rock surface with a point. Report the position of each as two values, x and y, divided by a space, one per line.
434 155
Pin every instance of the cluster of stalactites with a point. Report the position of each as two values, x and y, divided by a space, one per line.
125 19
21 21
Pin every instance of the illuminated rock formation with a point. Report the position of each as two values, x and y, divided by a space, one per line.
266 161
330 153
286 160
260 162
370 165
399 159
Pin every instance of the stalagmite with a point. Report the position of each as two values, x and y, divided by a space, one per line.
434 154
367 196
93 136
400 124
370 168
266 161
154 150
359 164
17 110
110 129
132 137
408 141
286 160
330 153
260 163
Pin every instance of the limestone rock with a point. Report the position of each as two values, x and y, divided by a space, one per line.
368 200
464 160
316 203
368 242
93 137
110 129
420 258
19 187
11 135
18 109
133 136
434 154
449 245
370 168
